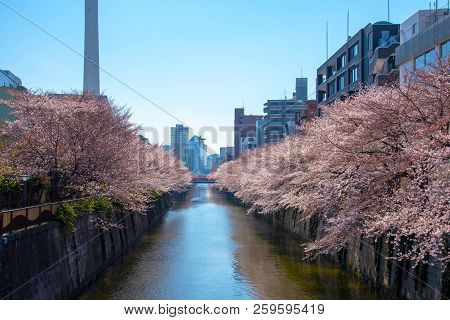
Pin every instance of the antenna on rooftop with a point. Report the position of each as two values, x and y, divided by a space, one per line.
301 72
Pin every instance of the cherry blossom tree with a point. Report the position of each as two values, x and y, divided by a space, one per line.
375 164
86 146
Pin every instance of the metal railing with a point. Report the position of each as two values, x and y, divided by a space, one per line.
24 218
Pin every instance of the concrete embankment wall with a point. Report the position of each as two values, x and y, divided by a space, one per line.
366 257
52 262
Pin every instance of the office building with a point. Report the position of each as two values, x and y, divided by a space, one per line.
281 119
260 124
179 136
301 89
197 155
226 154
366 58
244 126
248 144
424 39
213 162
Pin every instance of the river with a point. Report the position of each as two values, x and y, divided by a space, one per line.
206 247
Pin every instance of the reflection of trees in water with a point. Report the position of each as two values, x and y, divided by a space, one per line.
272 262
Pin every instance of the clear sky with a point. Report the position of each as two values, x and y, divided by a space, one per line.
197 59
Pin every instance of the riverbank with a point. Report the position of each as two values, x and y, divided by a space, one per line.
52 262
365 257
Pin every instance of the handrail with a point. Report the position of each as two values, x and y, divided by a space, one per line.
25 217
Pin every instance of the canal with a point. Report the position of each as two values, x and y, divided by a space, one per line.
206 247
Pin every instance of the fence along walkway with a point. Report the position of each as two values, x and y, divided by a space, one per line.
23 218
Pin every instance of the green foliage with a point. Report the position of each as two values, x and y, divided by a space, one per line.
103 206
69 212
67 215
153 194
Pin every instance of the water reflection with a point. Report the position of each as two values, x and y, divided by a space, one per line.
207 248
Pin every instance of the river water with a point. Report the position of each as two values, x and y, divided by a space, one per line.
206 247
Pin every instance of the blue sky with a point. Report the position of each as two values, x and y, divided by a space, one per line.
197 59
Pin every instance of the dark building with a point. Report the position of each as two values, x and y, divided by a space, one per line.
244 126
226 154
366 58
301 88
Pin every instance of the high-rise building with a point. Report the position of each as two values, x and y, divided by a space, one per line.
366 58
244 126
226 154
213 162
301 89
179 136
91 49
248 144
197 155
424 38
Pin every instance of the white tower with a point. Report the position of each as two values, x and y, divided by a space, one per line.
91 55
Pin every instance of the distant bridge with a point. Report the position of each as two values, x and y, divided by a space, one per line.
200 179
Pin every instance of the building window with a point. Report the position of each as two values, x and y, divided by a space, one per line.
321 79
414 28
445 49
419 62
354 50
331 88
341 62
322 96
341 82
353 74
430 57
425 59
330 71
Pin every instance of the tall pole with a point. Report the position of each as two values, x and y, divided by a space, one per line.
91 51
348 24
389 12
326 39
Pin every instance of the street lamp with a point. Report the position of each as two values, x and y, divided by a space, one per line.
25 177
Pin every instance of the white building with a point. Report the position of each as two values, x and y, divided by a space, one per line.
424 38
9 79
247 144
